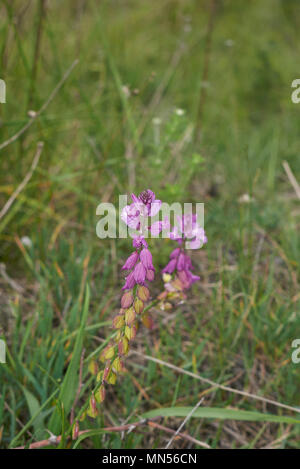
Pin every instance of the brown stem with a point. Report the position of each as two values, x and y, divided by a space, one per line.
55 440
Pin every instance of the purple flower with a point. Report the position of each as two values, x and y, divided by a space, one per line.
181 262
129 282
170 267
150 275
131 261
139 241
145 205
189 229
175 253
146 258
139 273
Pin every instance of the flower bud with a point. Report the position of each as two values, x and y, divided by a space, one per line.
143 293
129 316
93 367
130 332
118 322
75 430
83 416
127 299
100 394
138 305
99 376
123 346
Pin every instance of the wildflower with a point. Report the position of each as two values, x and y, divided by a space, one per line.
146 258
140 271
131 261
180 262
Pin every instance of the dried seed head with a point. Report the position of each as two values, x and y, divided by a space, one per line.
123 346
147 321
108 352
100 394
118 365
118 322
112 378
143 293
93 367
127 299
138 305
118 335
130 316
75 430
93 411
130 332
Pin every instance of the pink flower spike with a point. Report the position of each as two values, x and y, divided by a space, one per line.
139 273
146 258
131 261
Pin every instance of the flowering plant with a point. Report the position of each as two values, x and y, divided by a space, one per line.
177 276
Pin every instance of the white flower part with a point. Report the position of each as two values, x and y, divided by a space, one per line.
179 112
245 199
26 241
229 42
156 121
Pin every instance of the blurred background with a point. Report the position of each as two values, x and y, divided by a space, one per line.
192 99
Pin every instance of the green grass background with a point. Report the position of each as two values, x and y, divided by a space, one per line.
139 61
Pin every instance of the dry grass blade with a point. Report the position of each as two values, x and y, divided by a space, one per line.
42 109
216 385
292 178
183 423
25 181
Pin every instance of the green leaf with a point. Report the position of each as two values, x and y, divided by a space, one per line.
34 408
219 413
30 422
70 383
